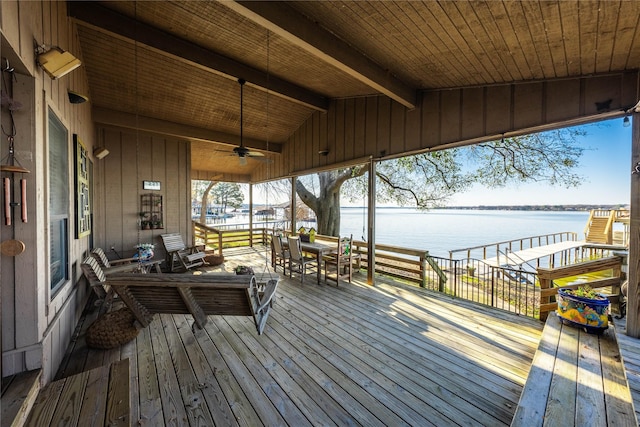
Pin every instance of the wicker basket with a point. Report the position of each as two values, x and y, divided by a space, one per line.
214 259
111 330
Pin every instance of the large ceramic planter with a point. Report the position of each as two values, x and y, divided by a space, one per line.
591 314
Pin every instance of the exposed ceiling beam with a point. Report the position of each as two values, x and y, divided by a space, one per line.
296 28
147 124
127 27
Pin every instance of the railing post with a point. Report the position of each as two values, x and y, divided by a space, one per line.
545 283
423 270
219 243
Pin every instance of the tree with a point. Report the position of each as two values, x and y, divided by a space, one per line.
427 180
227 194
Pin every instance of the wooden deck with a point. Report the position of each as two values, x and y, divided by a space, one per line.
630 351
353 355
526 255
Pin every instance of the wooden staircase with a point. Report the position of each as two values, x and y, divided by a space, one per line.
599 228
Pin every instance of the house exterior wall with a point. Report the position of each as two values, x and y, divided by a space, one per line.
36 324
134 158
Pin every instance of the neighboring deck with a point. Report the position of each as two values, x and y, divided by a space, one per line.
527 255
353 355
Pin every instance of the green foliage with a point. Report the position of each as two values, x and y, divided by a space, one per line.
585 291
428 180
227 194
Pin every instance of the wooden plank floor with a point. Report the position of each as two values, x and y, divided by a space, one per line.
353 355
630 351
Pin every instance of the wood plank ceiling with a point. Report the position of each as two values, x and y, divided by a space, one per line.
297 56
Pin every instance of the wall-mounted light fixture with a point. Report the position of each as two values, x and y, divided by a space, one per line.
56 62
100 153
76 98
626 122
323 152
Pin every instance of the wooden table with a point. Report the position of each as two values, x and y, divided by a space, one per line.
319 249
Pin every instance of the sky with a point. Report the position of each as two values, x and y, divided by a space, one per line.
605 166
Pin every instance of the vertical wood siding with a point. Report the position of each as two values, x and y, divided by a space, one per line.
37 326
132 159
354 129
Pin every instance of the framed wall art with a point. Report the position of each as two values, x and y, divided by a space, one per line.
82 193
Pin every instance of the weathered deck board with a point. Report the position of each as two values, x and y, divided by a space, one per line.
577 378
630 351
355 355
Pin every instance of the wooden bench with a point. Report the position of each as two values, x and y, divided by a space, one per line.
199 295
96 397
179 255
576 378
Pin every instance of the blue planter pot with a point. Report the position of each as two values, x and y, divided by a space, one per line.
587 313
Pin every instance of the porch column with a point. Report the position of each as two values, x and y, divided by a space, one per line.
371 244
293 205
633 292
251 215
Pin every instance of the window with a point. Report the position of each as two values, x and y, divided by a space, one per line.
58 202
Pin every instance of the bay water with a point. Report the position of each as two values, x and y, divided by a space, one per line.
441 230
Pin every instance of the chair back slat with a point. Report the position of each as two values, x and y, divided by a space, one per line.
101 257
294 248
277 244
93 271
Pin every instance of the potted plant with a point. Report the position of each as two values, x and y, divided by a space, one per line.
243 269
584 307
145 251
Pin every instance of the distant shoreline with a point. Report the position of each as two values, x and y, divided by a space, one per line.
576 208
556 208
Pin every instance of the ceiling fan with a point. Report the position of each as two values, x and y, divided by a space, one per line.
242 152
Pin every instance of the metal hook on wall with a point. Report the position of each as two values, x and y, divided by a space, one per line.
636 169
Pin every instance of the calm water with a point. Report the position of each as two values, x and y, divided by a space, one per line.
439 231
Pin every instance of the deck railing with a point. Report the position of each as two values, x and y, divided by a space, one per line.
517 290
548 277
217 239
498 249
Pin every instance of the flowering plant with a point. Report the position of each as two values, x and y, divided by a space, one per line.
145 246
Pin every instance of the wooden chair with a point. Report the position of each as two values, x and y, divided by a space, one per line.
123 265
180 255
341 260
297 259
198 295
280 254
104 262
97 279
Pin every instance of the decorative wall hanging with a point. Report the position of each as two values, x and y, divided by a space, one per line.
10 163
82 201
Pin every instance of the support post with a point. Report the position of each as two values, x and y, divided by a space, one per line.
633 293
371 236
251 215
293 205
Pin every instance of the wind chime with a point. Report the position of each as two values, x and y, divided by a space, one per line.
10 163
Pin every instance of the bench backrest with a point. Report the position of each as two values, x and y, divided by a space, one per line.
148 294
173 242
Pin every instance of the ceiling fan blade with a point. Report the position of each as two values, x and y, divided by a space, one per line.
254 154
